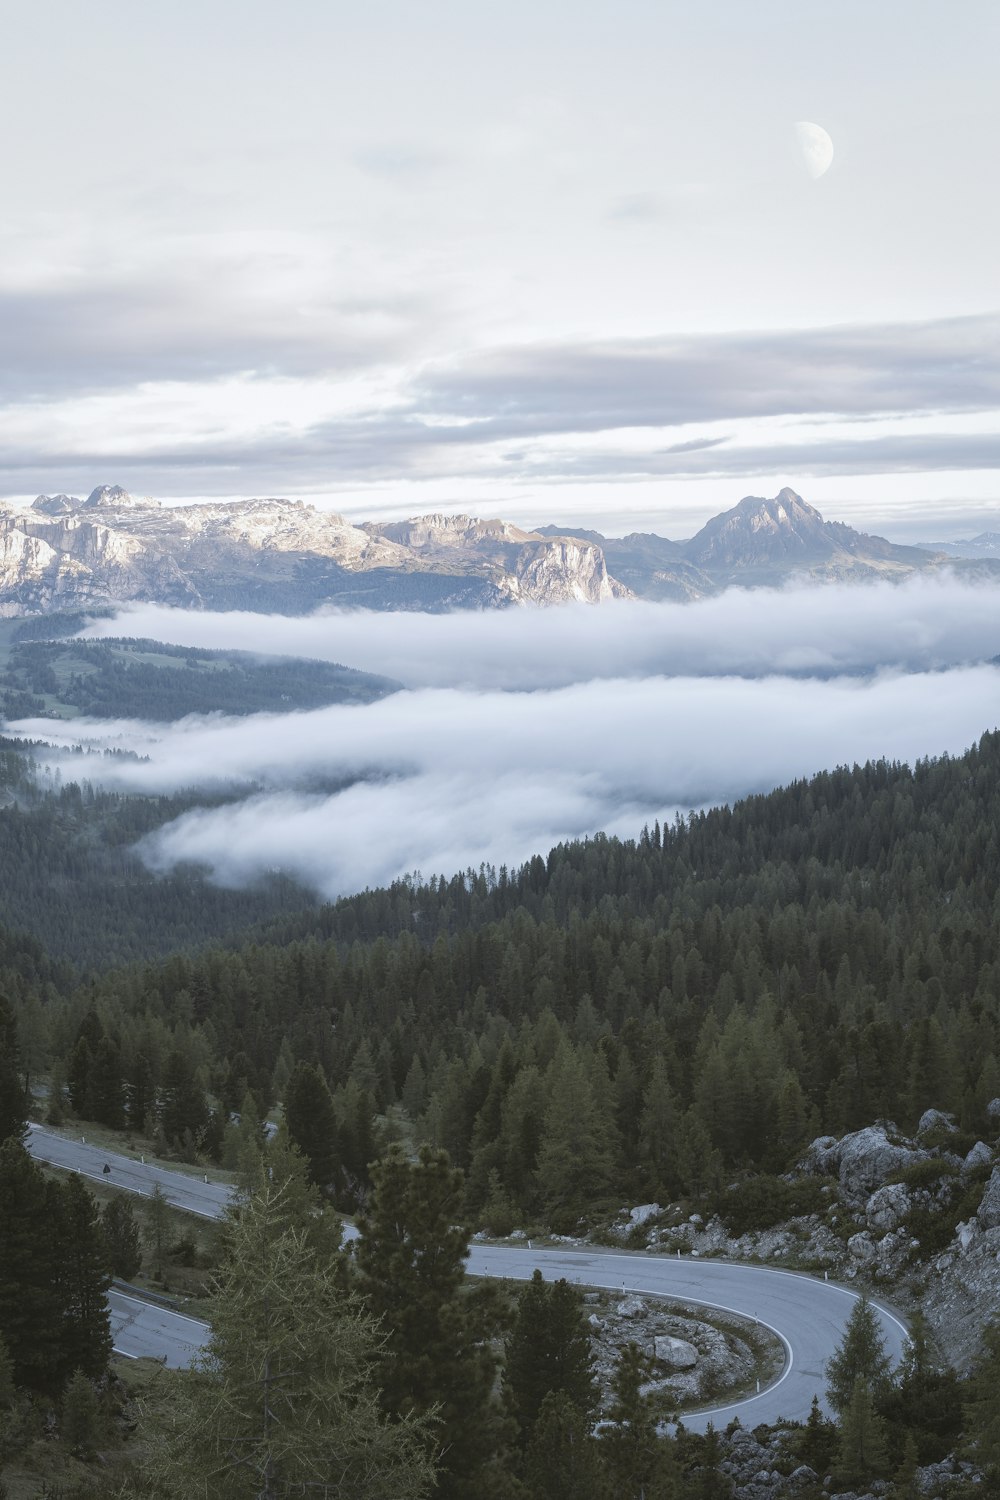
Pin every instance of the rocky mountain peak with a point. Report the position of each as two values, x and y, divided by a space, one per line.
56 505
112 497
762 536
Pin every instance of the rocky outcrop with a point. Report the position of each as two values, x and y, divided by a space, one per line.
979 1155
988 1213
862 1161
934 1122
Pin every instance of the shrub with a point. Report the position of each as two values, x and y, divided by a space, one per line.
761 1202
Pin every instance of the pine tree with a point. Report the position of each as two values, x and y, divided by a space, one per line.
639 1463
86 1328
860 1356
548 1350
862 1455
121 1235
12 1097
285 1402
31 1301
438 1355
312 1124
563 1460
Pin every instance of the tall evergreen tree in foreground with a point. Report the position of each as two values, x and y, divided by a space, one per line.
548 1350
860 1356
438 1356
13 1104
53 1278
563 1459
284 1402
640 1464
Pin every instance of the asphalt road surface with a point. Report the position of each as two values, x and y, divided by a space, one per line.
74 1154
806 1314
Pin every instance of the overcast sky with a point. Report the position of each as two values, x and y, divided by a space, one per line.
545 260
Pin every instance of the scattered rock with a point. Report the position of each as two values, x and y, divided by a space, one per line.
678 1354
631 1307
861 1247
979 1156
993 1110
933 1121
888 1207
643 1212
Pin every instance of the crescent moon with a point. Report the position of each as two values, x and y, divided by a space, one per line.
816 147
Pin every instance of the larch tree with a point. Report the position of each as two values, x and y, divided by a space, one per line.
284 1401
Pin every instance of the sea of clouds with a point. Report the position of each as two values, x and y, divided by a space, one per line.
516 729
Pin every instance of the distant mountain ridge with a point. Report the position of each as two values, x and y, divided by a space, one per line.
284 556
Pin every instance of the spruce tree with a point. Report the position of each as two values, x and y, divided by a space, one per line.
548 1350
860 1356
312 1124
284 1401
438 1355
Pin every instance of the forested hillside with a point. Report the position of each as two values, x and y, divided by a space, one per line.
69 875
143 679
625 1018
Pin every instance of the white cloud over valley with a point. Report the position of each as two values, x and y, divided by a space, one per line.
435 779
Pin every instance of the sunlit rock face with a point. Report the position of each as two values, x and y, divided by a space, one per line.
279 555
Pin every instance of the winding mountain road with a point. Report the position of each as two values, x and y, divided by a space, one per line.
806 1314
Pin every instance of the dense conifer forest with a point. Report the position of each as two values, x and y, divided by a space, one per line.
622 1021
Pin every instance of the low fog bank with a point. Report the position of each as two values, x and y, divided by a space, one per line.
922 625
453 778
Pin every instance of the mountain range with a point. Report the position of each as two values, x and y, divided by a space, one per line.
64 553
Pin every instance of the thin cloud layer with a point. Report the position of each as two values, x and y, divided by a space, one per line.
449 778
923 625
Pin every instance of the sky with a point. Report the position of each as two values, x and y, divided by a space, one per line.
548 261
516 729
